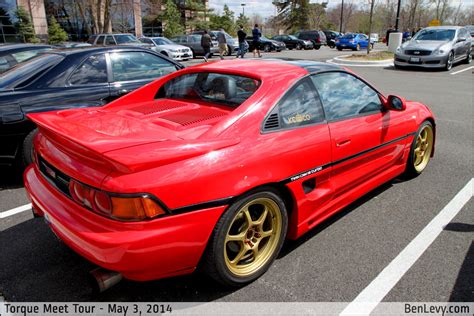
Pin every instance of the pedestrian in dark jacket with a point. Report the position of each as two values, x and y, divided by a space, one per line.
256 34
243 46
206 43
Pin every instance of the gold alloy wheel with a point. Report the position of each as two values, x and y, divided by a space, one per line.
253 236
423 148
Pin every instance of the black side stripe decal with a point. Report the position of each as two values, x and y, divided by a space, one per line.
227 200
317 169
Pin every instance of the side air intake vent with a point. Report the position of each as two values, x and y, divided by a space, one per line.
272 122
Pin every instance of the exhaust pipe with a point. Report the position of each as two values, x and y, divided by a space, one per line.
104 279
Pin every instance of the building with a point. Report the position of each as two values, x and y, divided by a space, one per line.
80 19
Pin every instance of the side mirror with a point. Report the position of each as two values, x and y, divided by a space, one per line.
461 39
395 103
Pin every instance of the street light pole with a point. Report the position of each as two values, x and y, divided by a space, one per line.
243 8
342 12
398 15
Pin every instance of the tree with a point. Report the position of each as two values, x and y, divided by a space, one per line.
243 20
171 18
224 21
56 34
24 26
371 14
294 14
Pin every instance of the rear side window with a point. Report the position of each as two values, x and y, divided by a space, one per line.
100 40
299 107
109 40
92 39
344 95
92 71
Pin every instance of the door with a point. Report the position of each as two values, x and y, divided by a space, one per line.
133 69
297 124
363 41
365 138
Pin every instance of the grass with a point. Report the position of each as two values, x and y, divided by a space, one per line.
372 56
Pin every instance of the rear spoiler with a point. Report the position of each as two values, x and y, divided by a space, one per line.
125 155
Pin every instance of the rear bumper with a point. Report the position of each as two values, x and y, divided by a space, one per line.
145 250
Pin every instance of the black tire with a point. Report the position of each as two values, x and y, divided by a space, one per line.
229 51
27 148
194 53
339 48
267 48
410 170
317 47
214 263
299 46
449 61
468 59
164 53
357 48
397 66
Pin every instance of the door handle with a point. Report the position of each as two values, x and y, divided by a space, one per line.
343 142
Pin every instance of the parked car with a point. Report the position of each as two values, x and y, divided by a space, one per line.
266 44
117 39
331 37
194 43
62 79
13 54
436 47
354 41
292 41
162 180
317 37
168 48
232 44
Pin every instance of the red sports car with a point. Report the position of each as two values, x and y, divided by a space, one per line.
216 165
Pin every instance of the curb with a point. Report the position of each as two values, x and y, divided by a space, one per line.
340 60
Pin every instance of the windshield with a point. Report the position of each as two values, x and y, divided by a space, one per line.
348 36
292 37
28 69
123 39
229 90
162 41
435 35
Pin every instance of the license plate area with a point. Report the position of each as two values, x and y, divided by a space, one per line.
415 59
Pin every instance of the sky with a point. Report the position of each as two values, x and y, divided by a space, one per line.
265 7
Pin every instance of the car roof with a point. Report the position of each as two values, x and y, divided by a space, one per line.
443 27
8 47
269 68
93 49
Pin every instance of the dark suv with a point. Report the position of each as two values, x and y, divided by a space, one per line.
317 37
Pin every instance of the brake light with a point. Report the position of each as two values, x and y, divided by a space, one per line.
318 40
114 206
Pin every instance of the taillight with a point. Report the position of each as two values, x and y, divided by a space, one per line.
318 40
115 206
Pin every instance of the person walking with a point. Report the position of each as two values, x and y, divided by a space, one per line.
206 43
223 51
243 46
256 34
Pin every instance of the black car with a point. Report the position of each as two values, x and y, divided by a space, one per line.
292 41
317 37
70 78
331 37
11 55
266 44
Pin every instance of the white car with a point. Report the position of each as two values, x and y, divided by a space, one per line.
168 48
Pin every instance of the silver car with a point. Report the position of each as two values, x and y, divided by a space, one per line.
435 47
194 42
168 48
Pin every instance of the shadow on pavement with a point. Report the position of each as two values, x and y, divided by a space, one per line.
36 266
463 290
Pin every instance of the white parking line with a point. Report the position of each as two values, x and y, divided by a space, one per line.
16 210
456 72
374 293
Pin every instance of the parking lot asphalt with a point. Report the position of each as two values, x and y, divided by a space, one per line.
334 262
